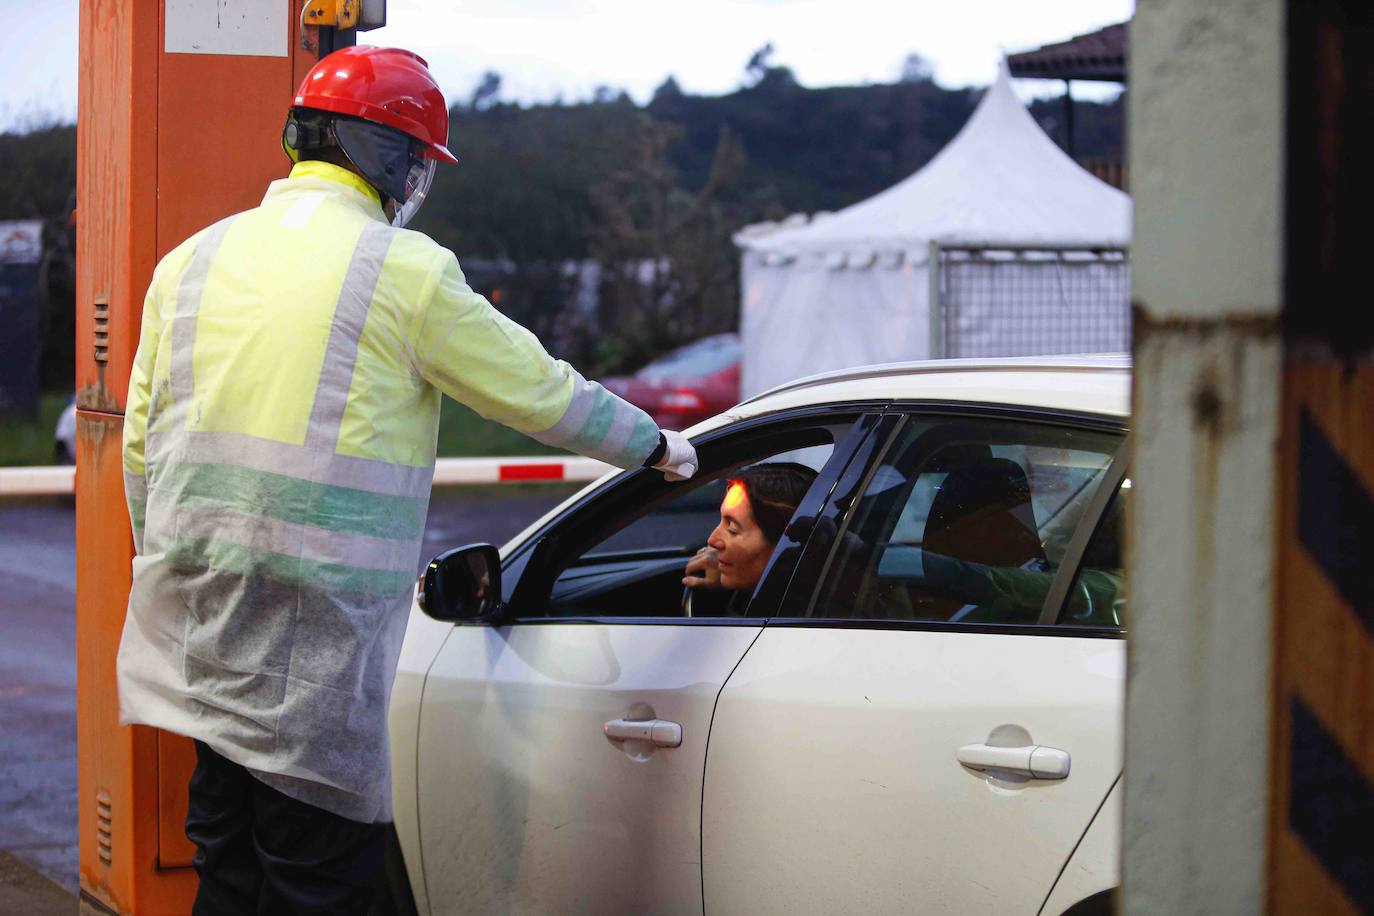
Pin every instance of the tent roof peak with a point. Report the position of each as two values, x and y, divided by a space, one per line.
1001 178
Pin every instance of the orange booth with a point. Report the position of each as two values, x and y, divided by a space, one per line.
180 112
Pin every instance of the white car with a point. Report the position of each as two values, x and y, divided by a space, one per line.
917 709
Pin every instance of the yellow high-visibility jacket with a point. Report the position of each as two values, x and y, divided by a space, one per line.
279 447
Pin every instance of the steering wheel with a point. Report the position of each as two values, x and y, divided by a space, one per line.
687 590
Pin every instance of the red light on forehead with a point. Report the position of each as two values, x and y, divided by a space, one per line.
733 496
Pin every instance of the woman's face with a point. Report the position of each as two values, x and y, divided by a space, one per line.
741 548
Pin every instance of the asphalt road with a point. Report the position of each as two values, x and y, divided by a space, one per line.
38 657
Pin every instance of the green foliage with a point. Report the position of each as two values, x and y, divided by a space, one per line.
522 187
31 442
463 433
817 149
38 173
1098 129
669 267
38 181
543 187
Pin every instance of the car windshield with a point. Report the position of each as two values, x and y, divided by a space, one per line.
704 357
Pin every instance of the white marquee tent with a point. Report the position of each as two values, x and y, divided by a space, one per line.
852 287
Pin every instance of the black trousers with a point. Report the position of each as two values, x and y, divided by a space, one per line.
261 852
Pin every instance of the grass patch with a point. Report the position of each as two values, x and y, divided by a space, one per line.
30 442
462 433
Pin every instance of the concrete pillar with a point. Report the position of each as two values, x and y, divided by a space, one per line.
1250 727
1206 129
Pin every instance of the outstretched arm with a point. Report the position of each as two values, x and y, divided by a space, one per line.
481 358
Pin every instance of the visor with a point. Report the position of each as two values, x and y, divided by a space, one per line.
381 154
419 177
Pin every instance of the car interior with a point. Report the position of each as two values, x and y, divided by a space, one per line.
623 553
1103 555
964 522
1003 498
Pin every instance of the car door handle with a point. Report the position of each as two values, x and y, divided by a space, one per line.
1032 760
661 733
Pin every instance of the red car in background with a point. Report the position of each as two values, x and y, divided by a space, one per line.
686 385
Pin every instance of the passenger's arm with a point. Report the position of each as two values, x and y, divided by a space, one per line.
1008 587
1097 598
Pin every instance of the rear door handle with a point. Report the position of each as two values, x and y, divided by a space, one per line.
1033 760
658 731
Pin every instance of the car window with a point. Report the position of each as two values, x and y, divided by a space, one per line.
964 520
682 523
1097 597
624 553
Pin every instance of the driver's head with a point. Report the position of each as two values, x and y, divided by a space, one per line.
758 503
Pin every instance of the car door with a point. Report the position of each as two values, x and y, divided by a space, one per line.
934 715
561 752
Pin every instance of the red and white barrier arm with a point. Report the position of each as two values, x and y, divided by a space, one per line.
40 481
448 472
460 471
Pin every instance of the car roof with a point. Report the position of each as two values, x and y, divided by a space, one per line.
1094 384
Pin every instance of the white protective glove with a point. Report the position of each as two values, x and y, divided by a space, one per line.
679 460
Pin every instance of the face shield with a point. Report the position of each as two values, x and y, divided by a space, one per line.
390 162
419 177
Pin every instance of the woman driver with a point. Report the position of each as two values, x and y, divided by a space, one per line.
757 506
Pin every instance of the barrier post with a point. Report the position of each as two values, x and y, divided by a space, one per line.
179 114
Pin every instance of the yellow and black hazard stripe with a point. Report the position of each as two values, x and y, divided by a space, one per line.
1322 849
1321 844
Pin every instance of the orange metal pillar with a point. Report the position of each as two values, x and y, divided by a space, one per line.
180 110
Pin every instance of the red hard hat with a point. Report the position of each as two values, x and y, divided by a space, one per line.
386 85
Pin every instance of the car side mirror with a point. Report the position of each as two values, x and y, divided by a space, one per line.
463 584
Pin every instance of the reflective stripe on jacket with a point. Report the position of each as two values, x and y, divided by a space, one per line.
279 447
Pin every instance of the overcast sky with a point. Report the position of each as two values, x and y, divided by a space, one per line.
545 49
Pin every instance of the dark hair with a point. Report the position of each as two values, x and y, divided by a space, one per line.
331 154
774 492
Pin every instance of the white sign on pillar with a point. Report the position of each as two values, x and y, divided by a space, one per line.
253 28
21 241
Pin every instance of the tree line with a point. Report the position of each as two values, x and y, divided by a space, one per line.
604 225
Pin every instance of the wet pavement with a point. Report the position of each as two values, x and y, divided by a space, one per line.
38 656
38 689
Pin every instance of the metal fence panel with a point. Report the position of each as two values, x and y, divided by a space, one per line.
1003 301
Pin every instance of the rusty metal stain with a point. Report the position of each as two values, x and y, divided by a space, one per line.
97 417
97 397
1208 407
1207 403
1250 324
92 432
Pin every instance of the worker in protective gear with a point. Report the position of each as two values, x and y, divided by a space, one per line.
279 447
